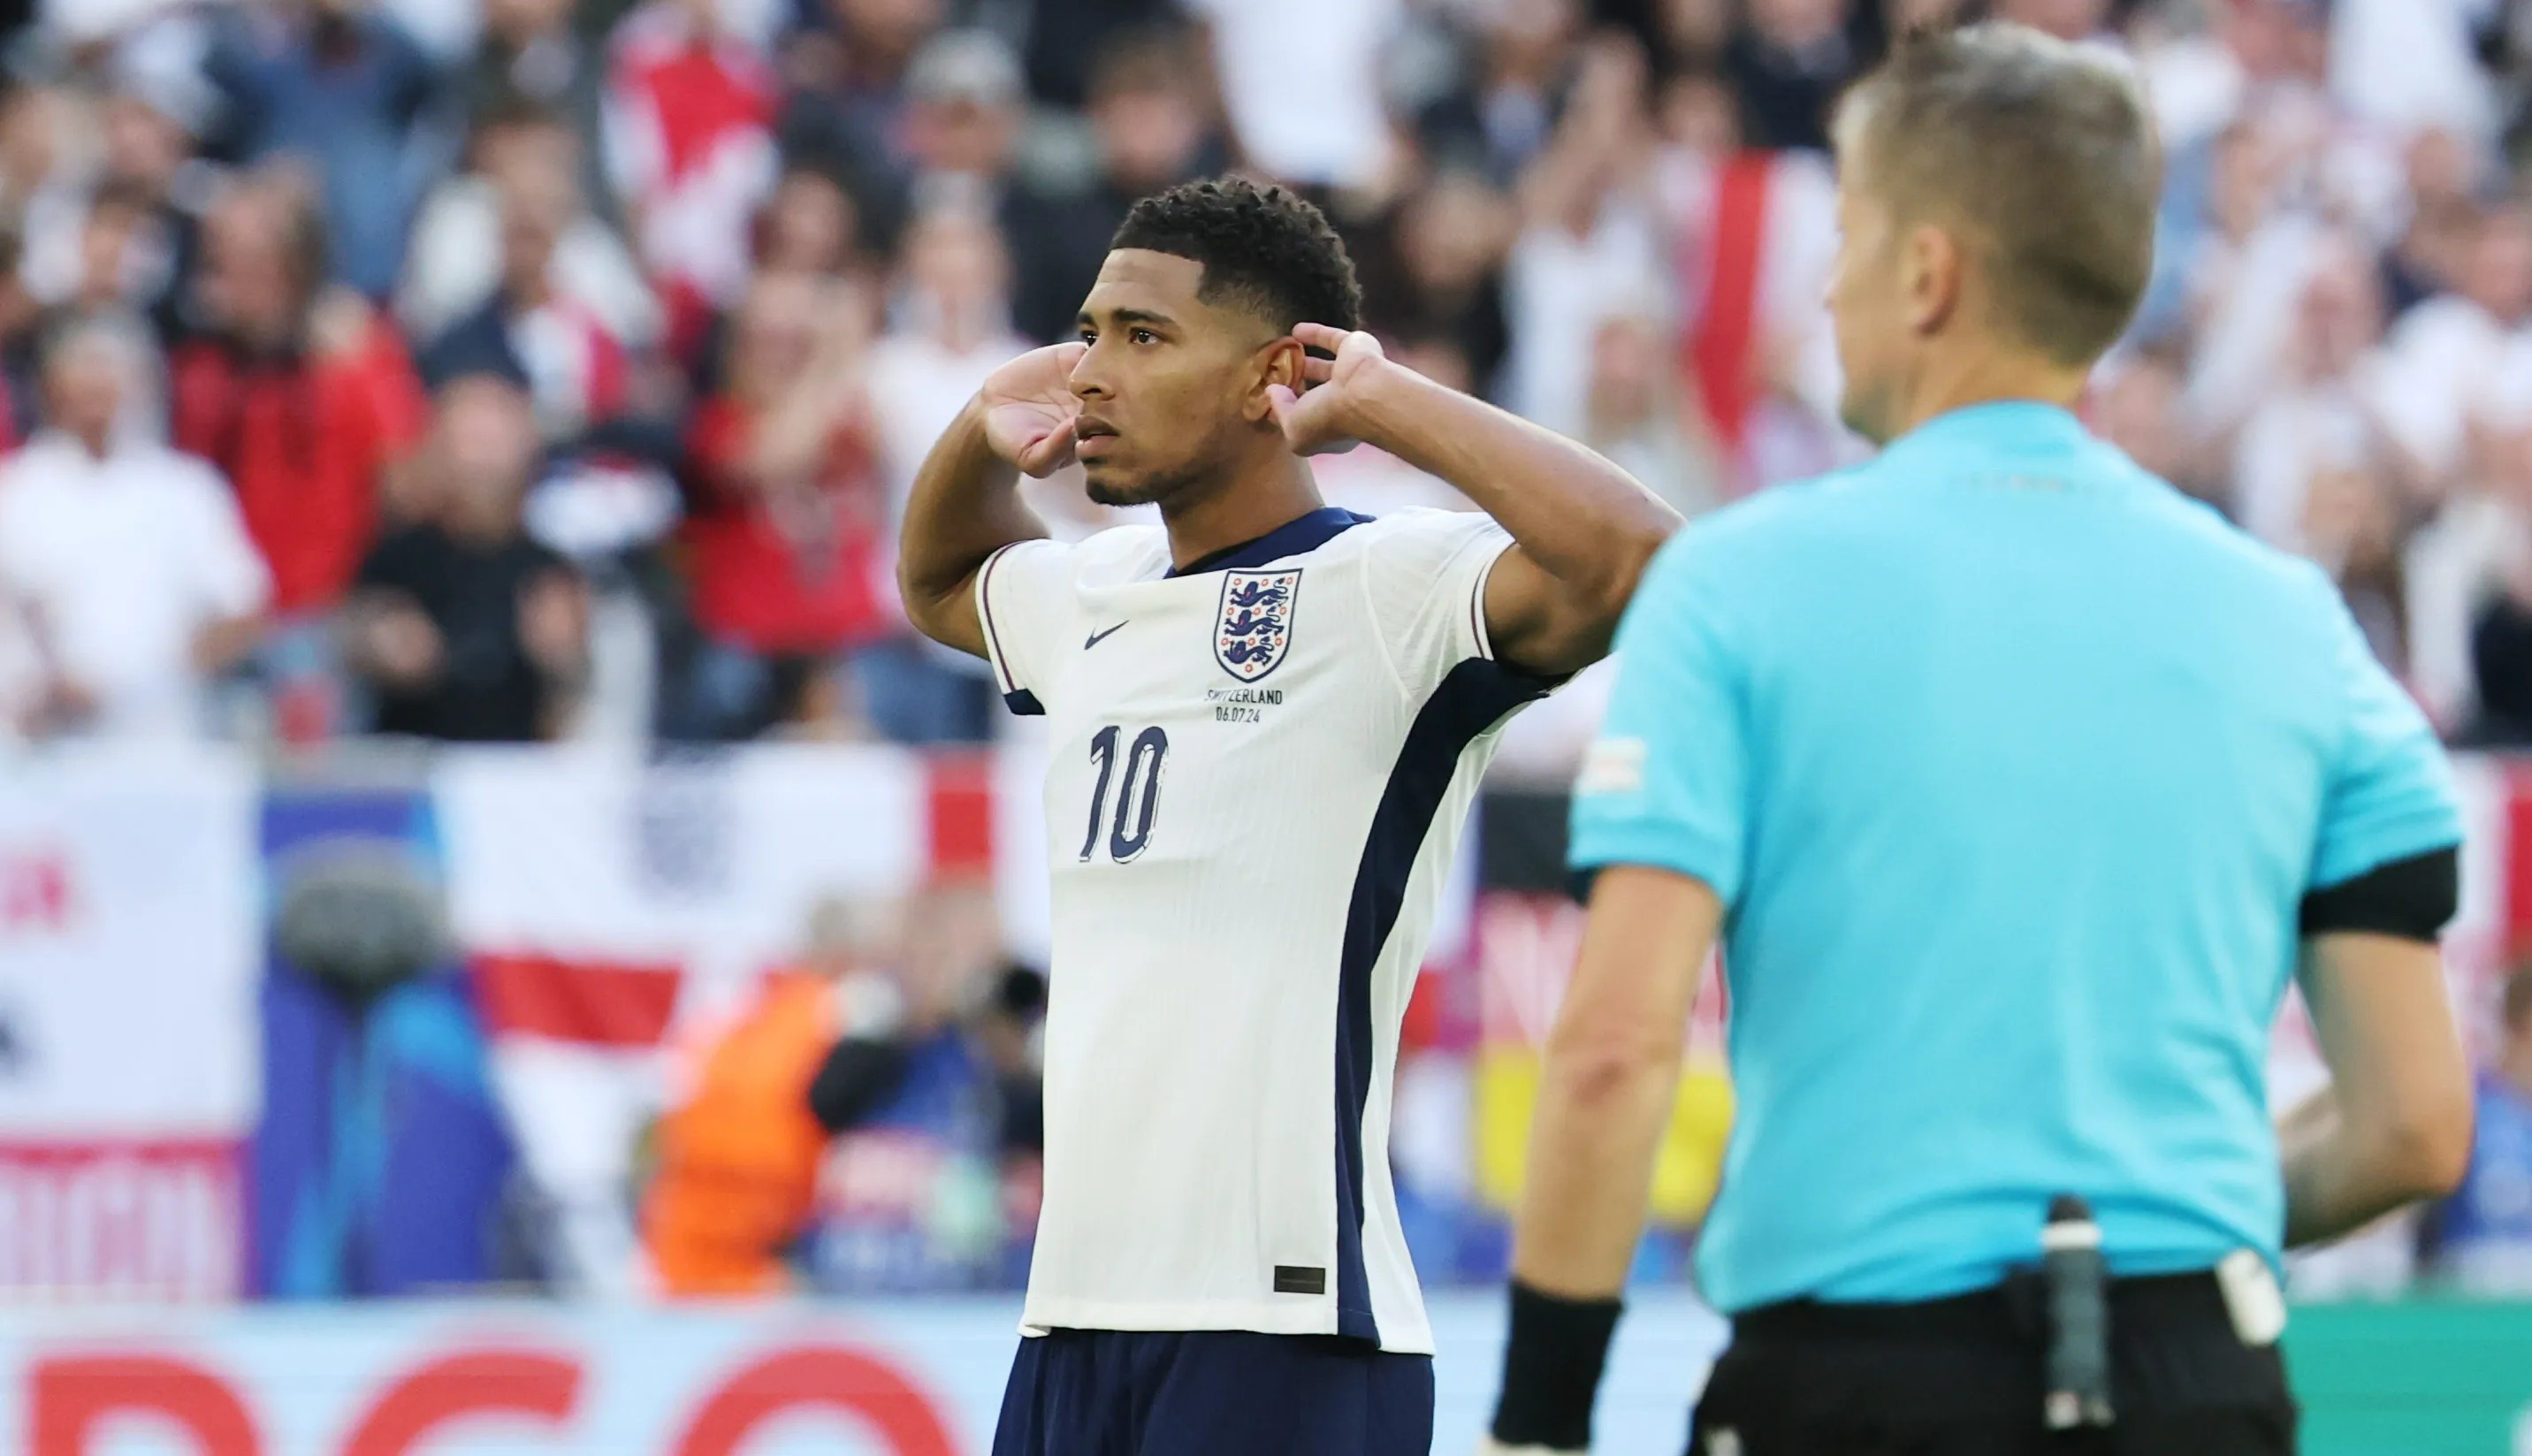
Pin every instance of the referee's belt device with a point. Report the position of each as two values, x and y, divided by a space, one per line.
2074 1282
2077 1282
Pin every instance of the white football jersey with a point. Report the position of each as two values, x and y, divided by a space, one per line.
1259 769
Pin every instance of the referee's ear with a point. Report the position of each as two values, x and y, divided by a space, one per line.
1935 272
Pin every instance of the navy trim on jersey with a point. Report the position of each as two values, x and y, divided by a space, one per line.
1019 699
1472 698
1302 533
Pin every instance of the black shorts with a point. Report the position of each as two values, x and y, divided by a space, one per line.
1078 1393
1963 1377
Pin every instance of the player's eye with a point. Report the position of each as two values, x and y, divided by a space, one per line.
1143 337
1090 335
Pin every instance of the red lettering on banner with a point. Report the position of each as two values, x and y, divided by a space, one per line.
819 1376
35 890
501 1382
155 1219
70 1396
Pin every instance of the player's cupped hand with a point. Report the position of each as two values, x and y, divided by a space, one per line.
1320 420
1030 407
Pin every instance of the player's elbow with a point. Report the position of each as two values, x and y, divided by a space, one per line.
2423 1146
930 597
1632 548
1605 1069
2415 1142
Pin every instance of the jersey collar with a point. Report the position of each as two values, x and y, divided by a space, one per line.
1302 533
1998 424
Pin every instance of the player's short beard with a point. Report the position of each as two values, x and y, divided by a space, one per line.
1148 490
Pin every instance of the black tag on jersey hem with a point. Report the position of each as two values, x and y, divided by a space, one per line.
1297 1279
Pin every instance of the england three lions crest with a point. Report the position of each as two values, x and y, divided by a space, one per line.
1255 628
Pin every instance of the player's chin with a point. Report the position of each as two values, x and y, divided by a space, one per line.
1108 484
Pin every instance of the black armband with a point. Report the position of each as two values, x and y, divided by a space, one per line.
1552 1368
2412 899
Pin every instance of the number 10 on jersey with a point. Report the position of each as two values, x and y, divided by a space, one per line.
1139 792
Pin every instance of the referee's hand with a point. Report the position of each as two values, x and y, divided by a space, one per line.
1489 1446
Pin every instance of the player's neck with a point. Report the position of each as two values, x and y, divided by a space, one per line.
1956 381
1244 509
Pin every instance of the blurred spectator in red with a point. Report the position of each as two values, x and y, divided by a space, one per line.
341 85
806 1058
529 330
519 145
127 560
301 396
1147 115
785 533
465 628
530 50
690 113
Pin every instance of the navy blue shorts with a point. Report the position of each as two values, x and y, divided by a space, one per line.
1078 1393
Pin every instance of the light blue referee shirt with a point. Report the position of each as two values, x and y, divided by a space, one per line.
2011 766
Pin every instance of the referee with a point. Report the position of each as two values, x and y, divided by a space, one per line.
2017 786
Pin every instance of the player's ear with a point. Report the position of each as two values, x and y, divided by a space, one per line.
1278 362
1933 266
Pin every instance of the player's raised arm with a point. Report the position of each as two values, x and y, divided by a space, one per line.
1583 528
966 505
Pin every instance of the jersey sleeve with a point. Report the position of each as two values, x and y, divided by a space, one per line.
2389 794
1666 783
1427 578
1021 603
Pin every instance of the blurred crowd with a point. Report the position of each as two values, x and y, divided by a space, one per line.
501 369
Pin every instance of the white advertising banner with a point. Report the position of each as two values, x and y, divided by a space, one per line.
131 945
872 1379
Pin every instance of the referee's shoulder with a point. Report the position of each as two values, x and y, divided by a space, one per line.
1773 518
2230 548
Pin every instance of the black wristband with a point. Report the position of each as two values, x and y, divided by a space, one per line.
1552 1368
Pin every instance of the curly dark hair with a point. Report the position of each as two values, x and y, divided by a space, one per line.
1265 249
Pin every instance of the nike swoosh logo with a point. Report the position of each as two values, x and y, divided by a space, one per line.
1098 637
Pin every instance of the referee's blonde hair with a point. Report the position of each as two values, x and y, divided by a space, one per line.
2038 156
